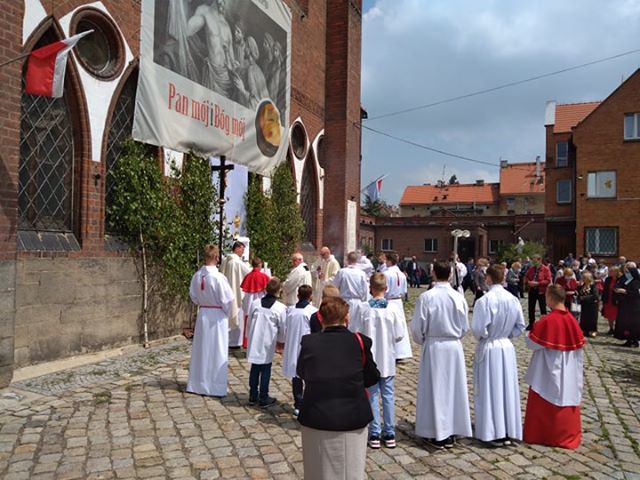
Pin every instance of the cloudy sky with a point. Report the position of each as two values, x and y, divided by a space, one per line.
420 51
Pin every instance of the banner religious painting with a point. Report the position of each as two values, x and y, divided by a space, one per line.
215 79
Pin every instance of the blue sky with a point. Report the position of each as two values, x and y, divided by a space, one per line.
420 51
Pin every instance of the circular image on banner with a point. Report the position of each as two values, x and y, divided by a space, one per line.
268 129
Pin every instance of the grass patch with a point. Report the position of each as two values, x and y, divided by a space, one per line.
102 397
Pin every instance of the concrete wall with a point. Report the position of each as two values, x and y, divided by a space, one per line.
66 306
7 313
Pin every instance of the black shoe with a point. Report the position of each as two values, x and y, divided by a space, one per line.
450 442
270 401
437 444
626 344
529 327
252 401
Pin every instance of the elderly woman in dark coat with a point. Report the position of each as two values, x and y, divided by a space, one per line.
337 366
628 321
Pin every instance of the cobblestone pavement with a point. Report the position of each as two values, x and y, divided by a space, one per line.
129 417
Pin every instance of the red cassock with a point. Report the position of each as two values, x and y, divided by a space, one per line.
546 423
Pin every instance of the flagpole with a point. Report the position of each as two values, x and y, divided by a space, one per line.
24 55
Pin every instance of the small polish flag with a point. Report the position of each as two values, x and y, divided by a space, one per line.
47 65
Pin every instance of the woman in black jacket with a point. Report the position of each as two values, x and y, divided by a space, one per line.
588 300
628 321
336 368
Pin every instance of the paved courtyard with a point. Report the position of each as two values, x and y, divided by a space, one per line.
129 417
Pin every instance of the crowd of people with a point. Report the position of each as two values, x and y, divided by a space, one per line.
342 331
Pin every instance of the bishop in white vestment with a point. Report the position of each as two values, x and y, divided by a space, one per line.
396 291
439 323
210 290
497 317
298 276
235 269
323 271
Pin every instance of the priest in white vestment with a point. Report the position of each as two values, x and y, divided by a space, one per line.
497 317
235 269
439 323
299 275
352 282
396 291
209 354
323 271
459 271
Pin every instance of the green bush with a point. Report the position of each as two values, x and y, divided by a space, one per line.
274 222
171 220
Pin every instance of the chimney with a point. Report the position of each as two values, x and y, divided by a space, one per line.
538 166
504 163
550 113
480 182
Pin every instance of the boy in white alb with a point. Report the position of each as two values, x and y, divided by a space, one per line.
210 290
297 326
385 328
266 328
396 292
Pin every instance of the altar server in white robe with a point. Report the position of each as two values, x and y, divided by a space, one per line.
352 282
299 275
296 326
323 271
209 354
497 317
396 291
439 323
365 264
235 269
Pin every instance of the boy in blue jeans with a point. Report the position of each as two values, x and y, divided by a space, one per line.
384 327
265 326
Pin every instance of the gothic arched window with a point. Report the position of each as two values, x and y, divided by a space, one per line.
119 130
47 171
309 200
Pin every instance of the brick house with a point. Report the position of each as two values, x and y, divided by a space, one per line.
603 155
65 288
494 213
560 168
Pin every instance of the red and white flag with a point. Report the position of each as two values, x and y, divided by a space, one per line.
47 65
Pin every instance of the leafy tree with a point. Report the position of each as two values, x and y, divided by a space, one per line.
379 208
274 222
192 226
511 251
168 222
141 209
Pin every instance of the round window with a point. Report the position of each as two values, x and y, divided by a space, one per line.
100 52
298 141
320 153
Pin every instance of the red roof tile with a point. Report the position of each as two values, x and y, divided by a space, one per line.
571 114
518 178
449 194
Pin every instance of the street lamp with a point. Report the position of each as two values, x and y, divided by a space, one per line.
456 234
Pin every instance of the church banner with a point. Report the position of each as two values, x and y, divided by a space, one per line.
215 78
